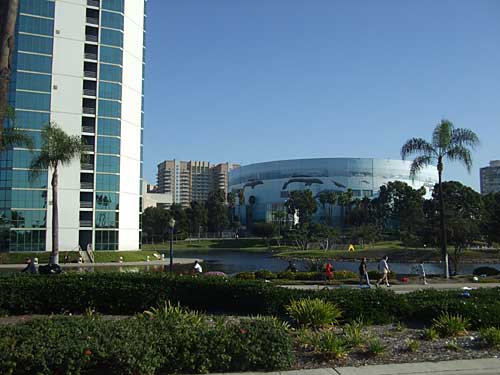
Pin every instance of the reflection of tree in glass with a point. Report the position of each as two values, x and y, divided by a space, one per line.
103 202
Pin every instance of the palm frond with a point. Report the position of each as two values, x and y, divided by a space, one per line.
419 163
416 146
14 137
462 154
465 137
441 136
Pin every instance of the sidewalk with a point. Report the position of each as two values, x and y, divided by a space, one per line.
401 288
486 366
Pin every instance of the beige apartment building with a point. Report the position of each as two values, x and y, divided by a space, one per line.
189 181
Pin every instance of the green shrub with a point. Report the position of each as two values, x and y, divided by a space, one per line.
331 345
413 346
490 337
265 275
313 312
375 348
143 346
353 334
485 270
430 334
177 313
448 325
246 275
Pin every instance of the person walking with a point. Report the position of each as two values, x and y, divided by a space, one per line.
421 271
328 272
197 267
30 266
383 269
363 274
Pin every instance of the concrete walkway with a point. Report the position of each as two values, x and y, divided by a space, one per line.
109 264
401 288
486 366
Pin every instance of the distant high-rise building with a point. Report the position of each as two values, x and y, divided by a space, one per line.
189 181
79 63
490 178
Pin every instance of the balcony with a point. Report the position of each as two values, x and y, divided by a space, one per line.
88 129
93 3
90 74
93 21
89 92
86 204
87 166
90 56
88 148
86 185
86 223
88 110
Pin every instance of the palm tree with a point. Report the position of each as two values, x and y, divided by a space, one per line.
332 201
241 201
8 17
323 199
447 143
231 201
58 149
11 135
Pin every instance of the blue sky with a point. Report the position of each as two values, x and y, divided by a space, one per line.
258 80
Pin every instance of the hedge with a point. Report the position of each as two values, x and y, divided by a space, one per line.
127 294
165 345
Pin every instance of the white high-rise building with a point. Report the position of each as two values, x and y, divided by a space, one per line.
490 178
80 64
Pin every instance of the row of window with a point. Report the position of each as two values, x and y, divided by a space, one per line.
108 108
33 101
32 81
36 25
111 55
112 37
33 43
22 179
107 200
107 182
27 240
106 240
108 164
113 20
110 90
24 198
110 73
44 8
26 218
33 63
106 219
31 120
108 145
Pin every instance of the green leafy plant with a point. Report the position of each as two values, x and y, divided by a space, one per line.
413 346
430 334
490 337
452 345
175 312
400 326
449 325
353 333
331 345
313 312
375 348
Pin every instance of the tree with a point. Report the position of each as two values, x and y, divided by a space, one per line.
279 217
181 228
241 201
217 214
331 201
463 216
491 217
155 224
8 17
11 135
231 202
197 217
58 149
450 143
344 200
265 230
323 199
303 202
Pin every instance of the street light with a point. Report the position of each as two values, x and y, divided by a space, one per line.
171 223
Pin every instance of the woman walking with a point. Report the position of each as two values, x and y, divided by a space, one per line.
363 274
383 269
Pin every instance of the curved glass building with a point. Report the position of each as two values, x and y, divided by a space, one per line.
270 183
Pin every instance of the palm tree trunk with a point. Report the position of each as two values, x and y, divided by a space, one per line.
54 258
8 16
444 253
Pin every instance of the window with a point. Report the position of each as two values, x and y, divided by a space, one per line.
108 145
36 25
107 182
108 127
110 90
23 159
109 108
29 198
27 240
112 37
106 219
28 218
108 164
31 120
106 200
32 43
43 8
34 63
35 101
113 20
116 5
110 73
21 179
33 82
106 240
111 55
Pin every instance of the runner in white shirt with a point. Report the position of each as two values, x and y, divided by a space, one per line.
383 269
197 267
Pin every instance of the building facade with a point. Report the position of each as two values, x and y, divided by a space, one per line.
267 186
490 178
190 181
80 64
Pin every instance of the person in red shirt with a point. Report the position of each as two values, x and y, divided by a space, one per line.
329 271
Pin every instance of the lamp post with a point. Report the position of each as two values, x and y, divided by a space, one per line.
172 225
